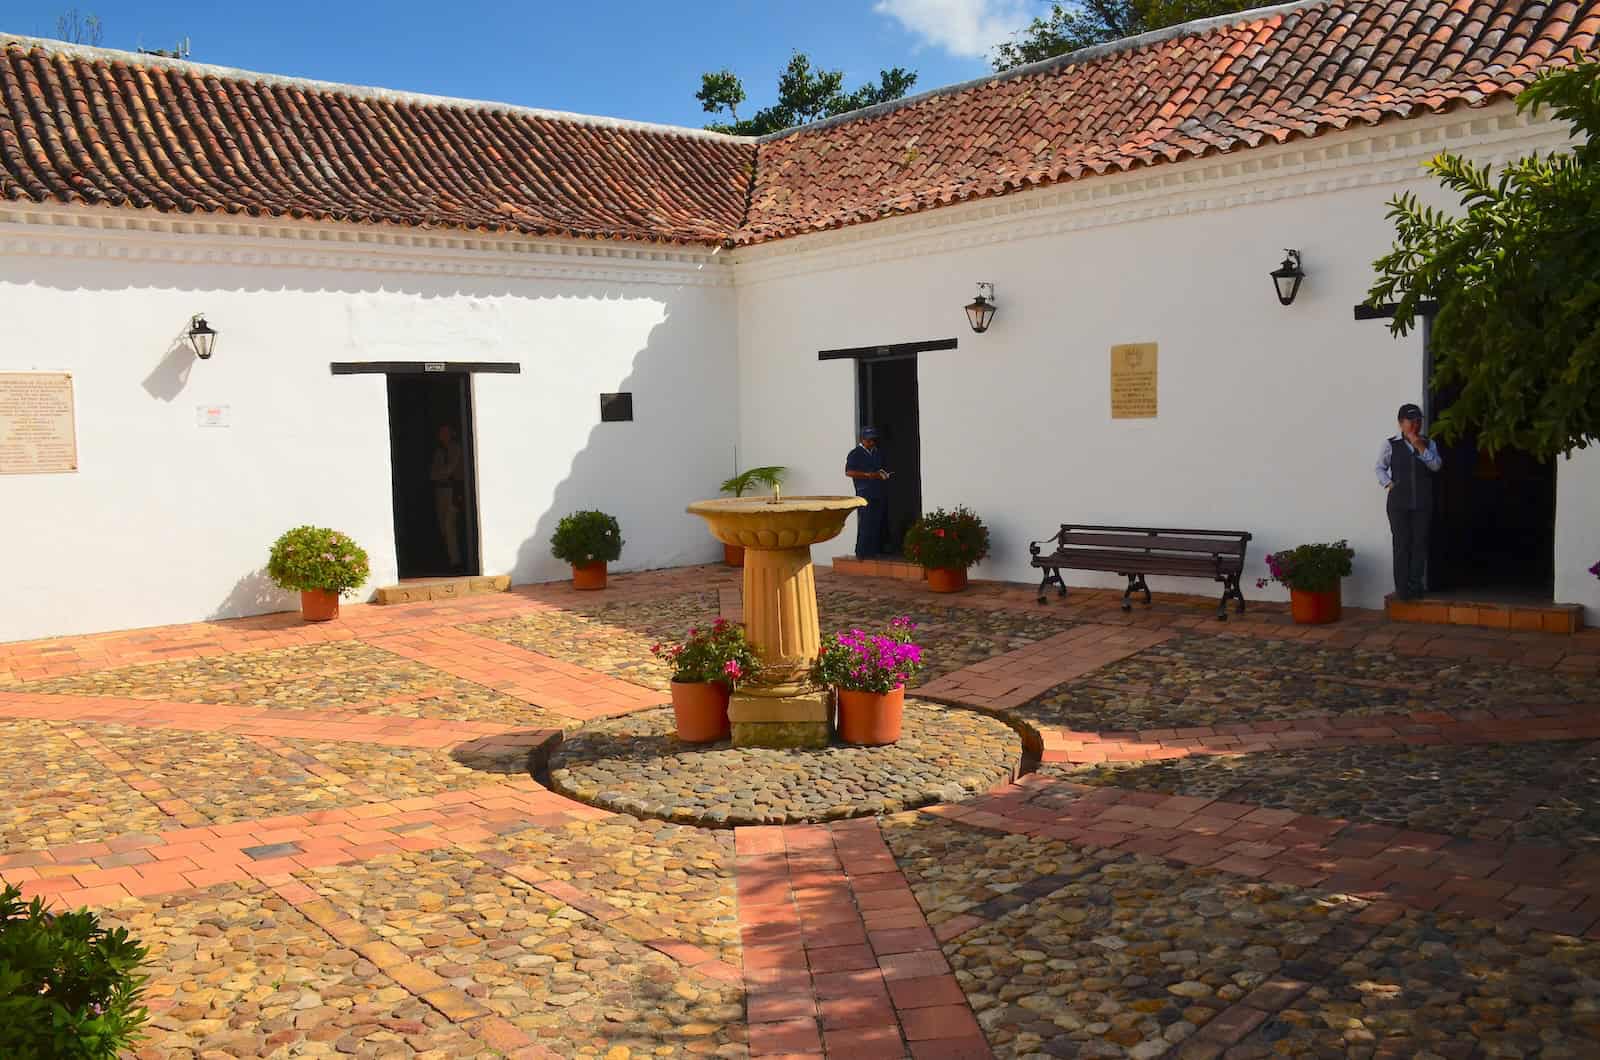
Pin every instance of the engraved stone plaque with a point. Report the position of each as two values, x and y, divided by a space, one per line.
1133 381
38 434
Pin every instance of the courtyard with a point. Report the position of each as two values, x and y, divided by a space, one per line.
1102 835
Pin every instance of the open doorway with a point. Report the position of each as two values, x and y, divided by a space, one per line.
434 474
887 400
1494 523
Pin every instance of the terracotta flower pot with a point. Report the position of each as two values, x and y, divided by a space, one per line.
947 579
733 555
589 575
318 605
1315 609
871 718
701 710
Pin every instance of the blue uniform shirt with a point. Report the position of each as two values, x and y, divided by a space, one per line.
863 459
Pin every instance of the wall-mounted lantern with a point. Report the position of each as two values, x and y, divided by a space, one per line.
1287 276
981 311
201 337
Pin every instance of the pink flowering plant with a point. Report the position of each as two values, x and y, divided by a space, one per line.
720 654
312 557
1595 570
1310 568
863 661
947 540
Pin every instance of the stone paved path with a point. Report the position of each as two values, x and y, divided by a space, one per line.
1244 841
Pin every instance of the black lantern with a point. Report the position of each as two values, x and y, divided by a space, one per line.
1286 277
981 311
201 337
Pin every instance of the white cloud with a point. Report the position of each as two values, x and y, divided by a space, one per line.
967 28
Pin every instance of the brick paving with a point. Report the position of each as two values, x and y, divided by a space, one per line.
330 836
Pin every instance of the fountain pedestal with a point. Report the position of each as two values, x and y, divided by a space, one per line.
777 709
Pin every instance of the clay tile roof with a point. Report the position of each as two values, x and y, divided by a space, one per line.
100 127
1264 77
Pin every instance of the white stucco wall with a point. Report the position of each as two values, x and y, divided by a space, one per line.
169 522
1270 417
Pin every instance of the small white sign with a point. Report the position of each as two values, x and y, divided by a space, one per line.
433 366
213 415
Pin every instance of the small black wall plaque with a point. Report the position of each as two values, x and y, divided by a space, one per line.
616 408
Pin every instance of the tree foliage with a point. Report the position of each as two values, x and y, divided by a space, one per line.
1517 282
805 94
76 28
1071 26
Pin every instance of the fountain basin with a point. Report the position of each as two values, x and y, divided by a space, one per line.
762 523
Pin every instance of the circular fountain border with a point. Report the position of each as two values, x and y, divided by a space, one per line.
634 764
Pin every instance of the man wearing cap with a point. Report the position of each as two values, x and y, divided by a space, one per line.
1406 466
864 467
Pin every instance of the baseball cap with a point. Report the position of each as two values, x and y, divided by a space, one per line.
869 432
1409 411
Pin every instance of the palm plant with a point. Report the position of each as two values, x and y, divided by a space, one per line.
770 477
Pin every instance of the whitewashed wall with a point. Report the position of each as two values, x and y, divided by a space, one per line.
166 521
1270 417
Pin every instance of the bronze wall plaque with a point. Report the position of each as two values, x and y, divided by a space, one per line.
38 432
1133 381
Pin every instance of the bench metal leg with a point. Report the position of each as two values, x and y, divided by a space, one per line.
1230 591
1052 576
1135 585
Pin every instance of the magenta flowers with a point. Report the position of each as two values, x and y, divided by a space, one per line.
859 660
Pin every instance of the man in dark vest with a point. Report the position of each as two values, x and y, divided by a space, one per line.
864 467
1406 466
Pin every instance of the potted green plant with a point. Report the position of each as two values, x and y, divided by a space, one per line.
588 541
946 544
869 671
320 564
770 477
68 987
706 667
1312 573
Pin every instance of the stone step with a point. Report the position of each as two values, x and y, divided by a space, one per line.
416 590
878 568
1533 618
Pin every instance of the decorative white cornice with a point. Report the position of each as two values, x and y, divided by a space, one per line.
1387 154
144 236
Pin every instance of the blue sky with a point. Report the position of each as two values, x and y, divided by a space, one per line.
626 58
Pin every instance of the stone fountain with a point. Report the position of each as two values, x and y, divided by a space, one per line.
778 709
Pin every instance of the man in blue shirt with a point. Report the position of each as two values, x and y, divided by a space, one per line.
864 467
1406 466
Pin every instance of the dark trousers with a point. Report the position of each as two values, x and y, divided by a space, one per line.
872 525
1409 528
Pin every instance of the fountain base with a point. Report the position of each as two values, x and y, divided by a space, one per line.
784 722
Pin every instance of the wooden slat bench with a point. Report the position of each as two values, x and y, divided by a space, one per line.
1138 551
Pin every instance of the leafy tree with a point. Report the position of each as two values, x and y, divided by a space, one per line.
804 95
1071 26
1517 282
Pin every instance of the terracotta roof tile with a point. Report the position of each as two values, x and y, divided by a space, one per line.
94 127
1283 74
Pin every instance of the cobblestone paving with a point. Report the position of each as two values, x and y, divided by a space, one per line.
1431 789
54 792
1108 957
576 986
1194 680
635 764
237 971
680 876
1431 985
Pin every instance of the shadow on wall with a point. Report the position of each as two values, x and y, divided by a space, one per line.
647 471
171 374
254 594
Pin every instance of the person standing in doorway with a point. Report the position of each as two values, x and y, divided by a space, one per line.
448 492
1406 466
864 467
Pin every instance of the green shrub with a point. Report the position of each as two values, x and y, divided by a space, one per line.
1310 568
587 537
69 989
951 540
312 557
